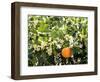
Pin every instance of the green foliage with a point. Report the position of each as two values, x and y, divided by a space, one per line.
48 35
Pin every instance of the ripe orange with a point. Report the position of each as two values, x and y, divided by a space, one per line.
66 52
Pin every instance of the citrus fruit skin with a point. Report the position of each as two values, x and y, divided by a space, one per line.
66 52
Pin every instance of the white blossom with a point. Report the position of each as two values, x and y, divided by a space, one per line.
49 39
78 60
38 48
80 45
54 42
61 41
71 40
49 51
34 46
35 22
58 46
66 37
43 44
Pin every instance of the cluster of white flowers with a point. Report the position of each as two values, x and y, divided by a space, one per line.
61 41
71 41
49 39
49 50
43 44
59 46
35 22
36 47
54 42
48 46
66 37
58 42
80 45
75 43
79 59
81 35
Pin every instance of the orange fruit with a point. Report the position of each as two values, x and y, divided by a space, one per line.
66 52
